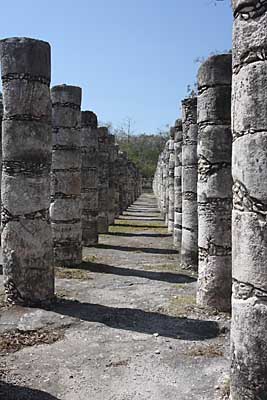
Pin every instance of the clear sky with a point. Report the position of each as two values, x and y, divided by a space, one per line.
132 58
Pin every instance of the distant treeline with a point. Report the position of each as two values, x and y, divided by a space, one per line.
143 150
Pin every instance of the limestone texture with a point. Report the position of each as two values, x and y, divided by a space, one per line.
249 229
89 178
66 209
103 180
189 247
177 229
26 148
215 182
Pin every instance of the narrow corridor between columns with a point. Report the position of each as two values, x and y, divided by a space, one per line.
125 325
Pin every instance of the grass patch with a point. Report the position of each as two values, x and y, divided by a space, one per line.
15 340
208 351
72 273
161 268
181 305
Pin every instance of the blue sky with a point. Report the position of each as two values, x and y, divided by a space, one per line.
132 58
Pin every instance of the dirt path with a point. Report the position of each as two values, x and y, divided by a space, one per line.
125 327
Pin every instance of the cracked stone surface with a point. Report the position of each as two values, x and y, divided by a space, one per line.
132 328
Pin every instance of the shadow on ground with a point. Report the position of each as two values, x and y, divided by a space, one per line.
14 392
139 321
136 249
140 225
159 235
152 275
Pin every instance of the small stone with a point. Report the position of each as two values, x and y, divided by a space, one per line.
156 334
157 352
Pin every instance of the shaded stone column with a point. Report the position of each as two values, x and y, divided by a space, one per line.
89 178
65 209
103 180
27 134
178 140
165 183
249 227
1 118
189 249
111 181
117 180
171 166
123 181
215 183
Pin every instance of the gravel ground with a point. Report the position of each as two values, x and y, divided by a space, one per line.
125 326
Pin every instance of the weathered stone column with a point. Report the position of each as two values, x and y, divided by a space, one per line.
189 250
111 171
89 178
65 209
27 134
178 141
171 167
117 164
165 183
103 188
215 183
249 226
1 118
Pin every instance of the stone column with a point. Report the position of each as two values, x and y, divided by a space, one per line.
165 183
117 180
249 227
89 178
171 166
103 188
215 183
1 118
178 140
123 181
111 171
65 209
27 134
189 250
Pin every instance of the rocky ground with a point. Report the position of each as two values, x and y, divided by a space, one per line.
125 326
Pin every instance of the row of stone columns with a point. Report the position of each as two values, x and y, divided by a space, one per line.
231 192
63 180
193 183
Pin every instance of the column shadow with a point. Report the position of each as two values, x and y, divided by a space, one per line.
14 392
136 249
139 321
170 277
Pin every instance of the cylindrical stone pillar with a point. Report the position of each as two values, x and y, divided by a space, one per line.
214 183
65 209
178 140
27 134
89 178
189 249
171 167
111 180
249 226
103 180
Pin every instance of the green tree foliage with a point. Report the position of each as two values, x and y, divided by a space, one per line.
143 150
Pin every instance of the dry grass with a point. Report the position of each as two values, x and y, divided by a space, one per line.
208 351
181 305
72 273
15 340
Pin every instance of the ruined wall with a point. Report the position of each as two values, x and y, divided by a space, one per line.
249 233
65 209
89 178
189 249
26 237
215 182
